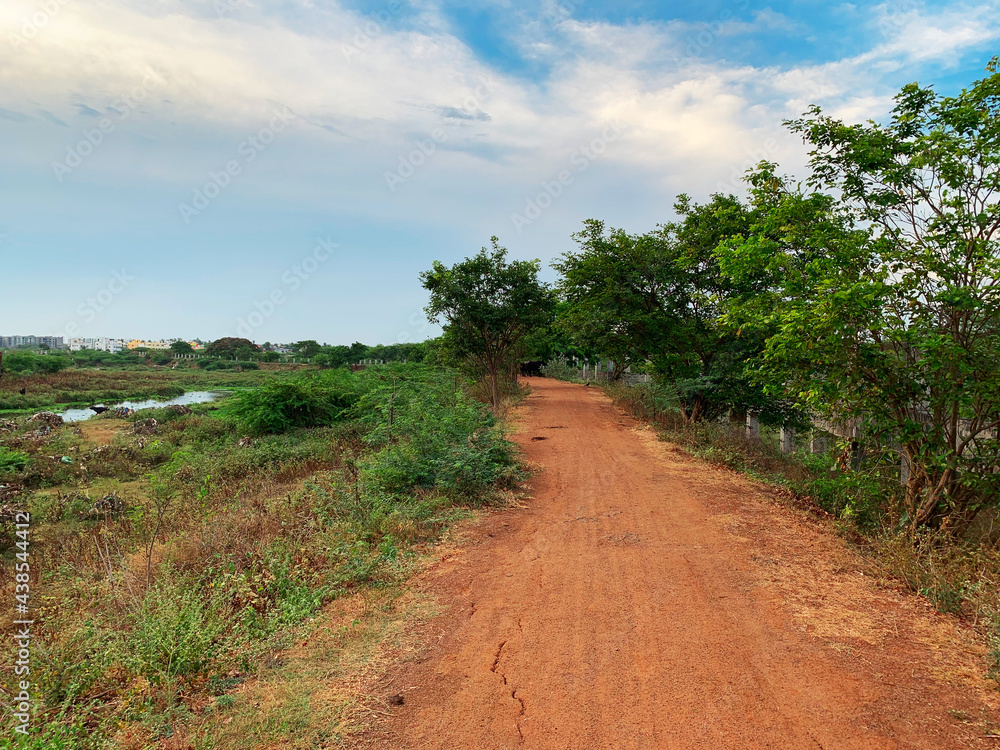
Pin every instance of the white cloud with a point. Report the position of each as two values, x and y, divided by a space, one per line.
367 92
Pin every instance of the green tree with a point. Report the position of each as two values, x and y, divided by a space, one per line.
229 346
488 305
357 351
659 297
181 347
307 348
895 321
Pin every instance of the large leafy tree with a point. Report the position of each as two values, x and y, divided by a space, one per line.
895 321
488 305
657 297
308 348
231 347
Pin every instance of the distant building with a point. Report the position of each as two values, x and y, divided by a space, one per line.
101 344
162 344
13 342
140 344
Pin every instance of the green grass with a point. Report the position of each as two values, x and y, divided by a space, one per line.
228 537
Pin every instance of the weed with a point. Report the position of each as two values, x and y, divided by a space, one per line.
12 461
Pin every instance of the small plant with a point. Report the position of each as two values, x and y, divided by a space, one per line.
176 632
12 461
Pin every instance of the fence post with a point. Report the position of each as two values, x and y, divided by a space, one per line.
753 427
787 439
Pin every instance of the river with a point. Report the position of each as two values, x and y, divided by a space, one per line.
191 397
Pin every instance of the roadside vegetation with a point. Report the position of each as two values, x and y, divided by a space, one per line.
181 549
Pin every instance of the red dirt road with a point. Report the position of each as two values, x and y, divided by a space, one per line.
644 599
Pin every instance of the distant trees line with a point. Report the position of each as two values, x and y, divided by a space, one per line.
220 354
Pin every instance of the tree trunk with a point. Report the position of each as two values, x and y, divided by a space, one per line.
495 388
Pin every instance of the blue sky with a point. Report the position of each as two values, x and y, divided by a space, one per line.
202 149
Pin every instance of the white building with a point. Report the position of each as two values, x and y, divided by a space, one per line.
101 344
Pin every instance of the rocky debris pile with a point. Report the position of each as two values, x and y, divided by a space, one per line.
10 490
47 418
7 425
145 427
122 412
179 409
109 505
62 500
8 513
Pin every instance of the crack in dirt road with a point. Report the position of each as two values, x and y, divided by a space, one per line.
644 599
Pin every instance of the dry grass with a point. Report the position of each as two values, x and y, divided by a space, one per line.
316 692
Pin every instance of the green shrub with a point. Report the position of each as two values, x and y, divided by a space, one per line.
431 435
559 369
214 365
12 461
26 363
174 633
310 401
74 665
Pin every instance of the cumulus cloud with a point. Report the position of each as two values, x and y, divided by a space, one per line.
365 88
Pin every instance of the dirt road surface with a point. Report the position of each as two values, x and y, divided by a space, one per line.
645 599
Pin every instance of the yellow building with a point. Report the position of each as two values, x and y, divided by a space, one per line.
139 343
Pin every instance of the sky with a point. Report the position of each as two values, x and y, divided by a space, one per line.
285 169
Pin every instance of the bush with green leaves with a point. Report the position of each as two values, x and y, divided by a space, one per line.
307 401
560 369
25 363
12 461
430 435
175 633
214 365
